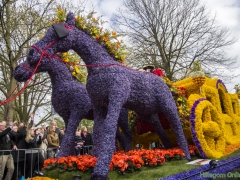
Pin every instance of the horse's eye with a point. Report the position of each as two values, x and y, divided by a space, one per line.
30 52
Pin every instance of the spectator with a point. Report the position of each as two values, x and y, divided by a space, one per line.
53 140
30 124
16 123
62 131
149 68
4 123
19 157
159 72
47 129
44 144
10 123
15 128
13 133
6 158
20 138
87 138
34 157
60 136
78 143
44 128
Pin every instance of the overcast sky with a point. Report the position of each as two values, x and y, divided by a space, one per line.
227 13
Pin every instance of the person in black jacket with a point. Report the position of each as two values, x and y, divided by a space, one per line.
78 143
6 159
19 156
87 138
20 141
34 156
13 133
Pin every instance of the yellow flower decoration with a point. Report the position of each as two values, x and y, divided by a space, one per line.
92 26
225 105
73 64
207 127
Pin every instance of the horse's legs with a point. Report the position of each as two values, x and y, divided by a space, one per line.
160 131
123 124
108 142
170 111
125 140
67 145
99 116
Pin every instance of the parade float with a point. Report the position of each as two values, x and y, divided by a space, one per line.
209 116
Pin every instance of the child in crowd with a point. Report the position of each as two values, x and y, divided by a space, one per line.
78 142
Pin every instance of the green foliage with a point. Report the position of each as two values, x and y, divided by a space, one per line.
60 122
87 123
237 89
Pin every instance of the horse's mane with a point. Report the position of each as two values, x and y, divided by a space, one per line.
93 27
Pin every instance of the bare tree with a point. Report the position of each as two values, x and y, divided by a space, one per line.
20 24
172 34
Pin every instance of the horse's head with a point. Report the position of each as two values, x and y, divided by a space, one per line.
57 39
23 72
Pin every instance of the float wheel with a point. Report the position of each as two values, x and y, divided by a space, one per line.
207 127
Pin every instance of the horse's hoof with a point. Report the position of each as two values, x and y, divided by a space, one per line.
98 177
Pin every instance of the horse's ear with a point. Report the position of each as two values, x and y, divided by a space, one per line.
60 30
70 19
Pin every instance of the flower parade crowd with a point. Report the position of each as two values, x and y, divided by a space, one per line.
23 148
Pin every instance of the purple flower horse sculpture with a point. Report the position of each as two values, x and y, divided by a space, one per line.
111 86
71 102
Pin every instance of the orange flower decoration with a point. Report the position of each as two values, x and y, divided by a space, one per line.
121 161
114 34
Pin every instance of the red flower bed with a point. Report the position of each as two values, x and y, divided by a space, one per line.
121 161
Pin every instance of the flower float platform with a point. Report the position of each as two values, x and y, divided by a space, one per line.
139 164
213 129
212 120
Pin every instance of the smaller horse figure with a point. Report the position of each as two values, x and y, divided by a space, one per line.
111 86
71 102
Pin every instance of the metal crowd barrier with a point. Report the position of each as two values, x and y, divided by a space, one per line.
32 151
51 152
48 153
16 161
87 149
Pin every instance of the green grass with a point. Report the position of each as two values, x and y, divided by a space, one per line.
150 173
